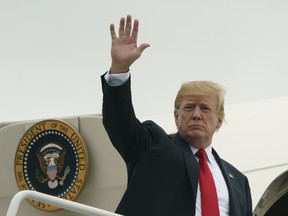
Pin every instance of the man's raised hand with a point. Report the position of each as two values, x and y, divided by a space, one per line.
124 48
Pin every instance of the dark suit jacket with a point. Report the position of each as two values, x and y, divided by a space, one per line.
162 170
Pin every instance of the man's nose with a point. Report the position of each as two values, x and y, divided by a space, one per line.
196 114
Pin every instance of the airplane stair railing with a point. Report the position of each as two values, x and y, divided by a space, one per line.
55 201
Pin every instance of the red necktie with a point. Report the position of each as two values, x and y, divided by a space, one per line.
209 200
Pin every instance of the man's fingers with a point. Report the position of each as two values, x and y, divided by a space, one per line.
125 28
135 29
121 26
143 46
112 31
128 25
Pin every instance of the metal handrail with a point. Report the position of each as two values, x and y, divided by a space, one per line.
55 201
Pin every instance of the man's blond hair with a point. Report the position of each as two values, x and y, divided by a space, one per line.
203 88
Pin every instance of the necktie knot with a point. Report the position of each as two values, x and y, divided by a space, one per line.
201 154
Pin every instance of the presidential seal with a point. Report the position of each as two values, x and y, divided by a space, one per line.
51 158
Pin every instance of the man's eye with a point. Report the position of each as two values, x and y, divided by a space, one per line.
206 109
188 107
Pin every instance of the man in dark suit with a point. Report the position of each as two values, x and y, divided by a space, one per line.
164 177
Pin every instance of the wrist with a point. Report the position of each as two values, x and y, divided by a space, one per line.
118 69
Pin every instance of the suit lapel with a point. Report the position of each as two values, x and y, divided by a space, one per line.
192 170
231 182
191 163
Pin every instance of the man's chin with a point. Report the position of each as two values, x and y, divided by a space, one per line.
196 132
196 135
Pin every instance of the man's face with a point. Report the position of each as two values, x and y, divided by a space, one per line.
197 120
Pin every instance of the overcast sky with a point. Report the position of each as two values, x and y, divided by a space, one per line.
52 53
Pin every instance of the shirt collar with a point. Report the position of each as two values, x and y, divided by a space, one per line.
208 151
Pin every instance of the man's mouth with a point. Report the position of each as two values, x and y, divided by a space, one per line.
196 126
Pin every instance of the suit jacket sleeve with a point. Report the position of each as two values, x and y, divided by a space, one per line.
129 136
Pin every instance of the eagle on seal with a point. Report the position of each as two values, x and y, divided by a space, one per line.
51 159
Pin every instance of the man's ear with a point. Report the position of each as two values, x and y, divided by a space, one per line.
219 124
176 117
